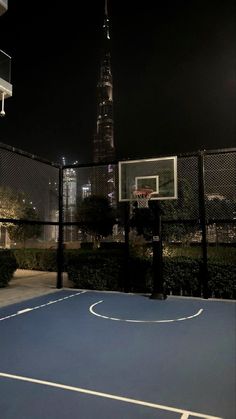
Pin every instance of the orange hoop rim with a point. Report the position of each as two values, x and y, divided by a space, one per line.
142 193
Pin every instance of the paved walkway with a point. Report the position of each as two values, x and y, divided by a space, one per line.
28 284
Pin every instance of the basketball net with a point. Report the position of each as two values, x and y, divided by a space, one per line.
142 197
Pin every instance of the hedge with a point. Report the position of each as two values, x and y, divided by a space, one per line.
36 259
110 273
107 269
181 276
96 269
8 266
222 280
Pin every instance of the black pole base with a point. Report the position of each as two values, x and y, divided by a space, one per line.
158 296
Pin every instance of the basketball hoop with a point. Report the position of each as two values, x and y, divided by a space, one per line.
142 197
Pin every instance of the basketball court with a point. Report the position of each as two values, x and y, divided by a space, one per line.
93 354
104 354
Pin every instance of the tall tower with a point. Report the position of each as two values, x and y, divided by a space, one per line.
103 144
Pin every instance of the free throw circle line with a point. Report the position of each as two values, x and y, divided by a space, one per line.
91 309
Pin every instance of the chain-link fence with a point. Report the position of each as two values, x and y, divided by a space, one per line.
29 208
45 206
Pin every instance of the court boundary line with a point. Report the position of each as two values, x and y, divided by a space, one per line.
169 297
29 309
141 321
184 413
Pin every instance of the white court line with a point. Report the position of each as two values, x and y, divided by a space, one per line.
185 413
26 310
142 321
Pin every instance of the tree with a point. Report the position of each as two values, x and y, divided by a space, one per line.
96 216
21 232
14 206
142 221
183 208
10 206
220 208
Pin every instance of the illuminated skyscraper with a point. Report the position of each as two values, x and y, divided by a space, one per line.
104 150
69 201
103 143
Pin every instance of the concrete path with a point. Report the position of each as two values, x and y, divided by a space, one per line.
28 284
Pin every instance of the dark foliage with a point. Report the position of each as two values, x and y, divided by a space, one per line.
8 266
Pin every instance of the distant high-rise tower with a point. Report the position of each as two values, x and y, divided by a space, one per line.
103 144
104 181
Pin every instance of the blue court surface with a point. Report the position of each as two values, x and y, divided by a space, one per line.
87 354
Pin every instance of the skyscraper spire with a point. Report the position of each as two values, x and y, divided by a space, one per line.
106 22
103 143
103 140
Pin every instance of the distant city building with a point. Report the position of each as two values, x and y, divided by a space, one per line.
103 146
86 190
103 143
69 201
51 211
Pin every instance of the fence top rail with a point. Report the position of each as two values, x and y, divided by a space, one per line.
220 151
28 155
25 221
187 154
16 150
91 164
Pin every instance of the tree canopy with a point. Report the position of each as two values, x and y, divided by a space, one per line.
15 206
96 216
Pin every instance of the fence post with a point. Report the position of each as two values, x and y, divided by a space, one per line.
202 219
126 284
60 250
157 262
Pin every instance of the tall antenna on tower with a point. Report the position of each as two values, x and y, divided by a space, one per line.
106 13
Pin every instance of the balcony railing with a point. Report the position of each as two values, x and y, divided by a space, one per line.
5 74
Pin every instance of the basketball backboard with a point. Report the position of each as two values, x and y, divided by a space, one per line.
158 175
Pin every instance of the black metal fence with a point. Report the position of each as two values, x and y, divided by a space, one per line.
39 203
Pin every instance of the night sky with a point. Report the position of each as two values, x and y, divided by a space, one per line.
173 66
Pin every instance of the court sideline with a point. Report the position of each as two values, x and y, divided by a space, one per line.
27 284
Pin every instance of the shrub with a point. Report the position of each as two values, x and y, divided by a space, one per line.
86 245
222 280
36 259
8 266
95 269
108 269
184 275
139 275
181 275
